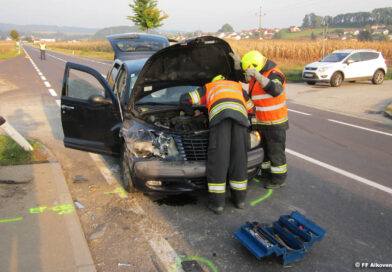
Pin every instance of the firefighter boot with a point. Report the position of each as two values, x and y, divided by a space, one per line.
238 198
216 202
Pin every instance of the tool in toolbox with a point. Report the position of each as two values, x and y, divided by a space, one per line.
289 237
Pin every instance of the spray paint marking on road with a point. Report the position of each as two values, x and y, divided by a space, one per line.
59 209
120 191
299 112
355 126
267 195
207 262
11 220
342 172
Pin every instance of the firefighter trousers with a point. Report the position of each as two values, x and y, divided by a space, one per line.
274 166
227 160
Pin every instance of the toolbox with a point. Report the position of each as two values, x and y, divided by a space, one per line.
288 238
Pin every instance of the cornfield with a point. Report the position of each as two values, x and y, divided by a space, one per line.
305 51
91 46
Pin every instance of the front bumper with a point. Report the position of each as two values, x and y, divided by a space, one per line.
315 76
181 176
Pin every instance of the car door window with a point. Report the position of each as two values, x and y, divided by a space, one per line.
113 74
368 56
355 57
82 85
120 86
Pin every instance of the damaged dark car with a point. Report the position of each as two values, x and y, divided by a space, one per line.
135 114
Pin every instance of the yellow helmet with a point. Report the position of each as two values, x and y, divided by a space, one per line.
253 59
218 77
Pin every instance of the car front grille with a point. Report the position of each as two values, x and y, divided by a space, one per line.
311 68
192 148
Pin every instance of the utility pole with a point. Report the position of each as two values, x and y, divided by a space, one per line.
325 30
260 16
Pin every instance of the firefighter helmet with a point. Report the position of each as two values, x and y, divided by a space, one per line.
218 77
253 59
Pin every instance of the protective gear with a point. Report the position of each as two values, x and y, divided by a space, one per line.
251 72
218 77
227 159
42 47
253 59
236 59
224 99
270 110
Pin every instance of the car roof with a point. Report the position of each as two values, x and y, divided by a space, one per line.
349 51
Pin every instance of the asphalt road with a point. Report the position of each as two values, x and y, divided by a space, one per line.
339 176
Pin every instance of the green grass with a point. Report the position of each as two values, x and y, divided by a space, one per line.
12 154
85 53
307 33
13 52
388 76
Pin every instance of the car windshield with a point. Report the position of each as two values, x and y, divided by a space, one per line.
141 44
334 57
170 95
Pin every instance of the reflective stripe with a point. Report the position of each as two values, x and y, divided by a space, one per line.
219 86
249 104
266 165
276 107
261 96
220 91
217 187
195 97
227 105
255 121
239 185
279 169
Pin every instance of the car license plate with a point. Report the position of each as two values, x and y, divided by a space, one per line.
308 75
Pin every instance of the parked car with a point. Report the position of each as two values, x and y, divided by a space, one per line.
135 114
347 65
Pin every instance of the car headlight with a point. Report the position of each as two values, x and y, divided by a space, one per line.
324 69
151 144
255 139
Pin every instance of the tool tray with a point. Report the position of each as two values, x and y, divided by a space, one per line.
288 237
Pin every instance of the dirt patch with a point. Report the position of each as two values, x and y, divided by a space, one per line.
6 86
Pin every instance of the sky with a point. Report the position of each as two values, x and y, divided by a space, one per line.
186 15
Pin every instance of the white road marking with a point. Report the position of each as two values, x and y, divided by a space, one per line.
342 172
368 129
52 92
58 102
43 78
299 112
107 174
47 84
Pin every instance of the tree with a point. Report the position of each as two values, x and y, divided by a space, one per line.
365 36
14 35
27 39
313 37
226 28
146 14
277 35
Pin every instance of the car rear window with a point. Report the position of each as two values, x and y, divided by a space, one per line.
141 44
334 57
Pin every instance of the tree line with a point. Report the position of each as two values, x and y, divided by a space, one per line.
356 19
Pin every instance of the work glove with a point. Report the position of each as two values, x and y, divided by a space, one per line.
252 72
236 59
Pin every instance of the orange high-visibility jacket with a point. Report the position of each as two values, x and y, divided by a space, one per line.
269 110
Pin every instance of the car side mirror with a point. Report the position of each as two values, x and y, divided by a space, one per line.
350 61
99 99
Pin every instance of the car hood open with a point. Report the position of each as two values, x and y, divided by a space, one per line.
192 62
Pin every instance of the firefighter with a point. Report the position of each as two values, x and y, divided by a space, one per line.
266 89
228 106
42 48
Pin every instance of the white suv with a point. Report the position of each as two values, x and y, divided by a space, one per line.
350 65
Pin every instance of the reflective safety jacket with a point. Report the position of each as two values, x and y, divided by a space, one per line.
271 108
42 46
223 99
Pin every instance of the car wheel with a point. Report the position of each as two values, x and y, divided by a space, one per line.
310 82
125 172
378 77
336 79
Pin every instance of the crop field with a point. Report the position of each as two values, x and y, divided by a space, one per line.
7 49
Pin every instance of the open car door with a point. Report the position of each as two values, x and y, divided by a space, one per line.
90 113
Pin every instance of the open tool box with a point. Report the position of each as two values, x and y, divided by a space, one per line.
289 237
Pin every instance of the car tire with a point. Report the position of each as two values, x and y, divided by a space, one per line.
378 77
310 82
125 172
336 79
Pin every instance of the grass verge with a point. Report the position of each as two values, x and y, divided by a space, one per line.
13 154
7 53
85 53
